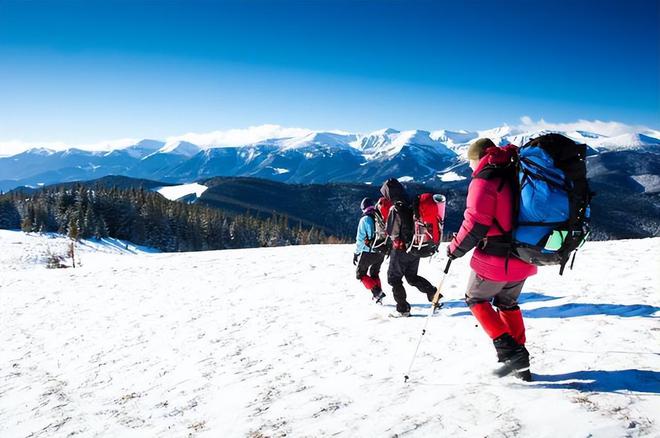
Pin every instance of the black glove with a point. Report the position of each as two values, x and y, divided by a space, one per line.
450 255
355 259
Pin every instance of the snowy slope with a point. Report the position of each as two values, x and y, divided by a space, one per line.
454 137
387 143
634 141
142 148
316 139
20 250
182 148
451 176
605 141
177 192
268 342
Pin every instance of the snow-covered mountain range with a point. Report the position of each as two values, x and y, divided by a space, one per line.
312 157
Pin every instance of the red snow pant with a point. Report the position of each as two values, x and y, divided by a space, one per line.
368 270
504 295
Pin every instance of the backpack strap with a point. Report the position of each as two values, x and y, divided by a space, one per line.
371 215
499 227
415 207
502 245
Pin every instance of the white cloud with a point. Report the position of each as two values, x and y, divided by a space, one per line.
108 145
527 120
609 129
230 137
240 137
12 147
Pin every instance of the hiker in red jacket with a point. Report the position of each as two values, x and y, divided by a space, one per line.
496 277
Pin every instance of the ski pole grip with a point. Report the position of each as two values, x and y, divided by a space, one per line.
448 265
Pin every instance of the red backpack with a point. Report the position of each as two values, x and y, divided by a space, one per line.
384 205
429 218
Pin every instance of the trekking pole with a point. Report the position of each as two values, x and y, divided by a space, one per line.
434 305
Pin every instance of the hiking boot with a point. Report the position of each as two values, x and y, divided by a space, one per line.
430 295
399 315
525 376
378 297
513 356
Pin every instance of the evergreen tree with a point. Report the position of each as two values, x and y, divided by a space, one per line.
27 223
145 218
9 216
74 233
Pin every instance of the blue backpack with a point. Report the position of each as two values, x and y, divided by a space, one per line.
551 201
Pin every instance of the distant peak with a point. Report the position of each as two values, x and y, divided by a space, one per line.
180 147
385 131
416 137
150 144
319 138
40 151
454 137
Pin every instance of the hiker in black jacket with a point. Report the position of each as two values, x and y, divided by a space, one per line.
402 263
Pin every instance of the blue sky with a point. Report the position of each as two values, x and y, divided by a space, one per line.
83 71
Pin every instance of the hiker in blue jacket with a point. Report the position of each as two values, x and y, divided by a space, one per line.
367 260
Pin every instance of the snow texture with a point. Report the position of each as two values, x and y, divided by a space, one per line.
179 148
142 149
268 342
650 183
20 250
177 192
451 176
331 139
389 142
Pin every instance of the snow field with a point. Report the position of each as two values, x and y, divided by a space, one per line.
177 192
274 341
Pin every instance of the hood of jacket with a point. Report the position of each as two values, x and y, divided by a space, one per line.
394 191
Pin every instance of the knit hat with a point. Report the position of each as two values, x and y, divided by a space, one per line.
366 203
478 149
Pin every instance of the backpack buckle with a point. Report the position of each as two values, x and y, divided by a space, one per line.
483 243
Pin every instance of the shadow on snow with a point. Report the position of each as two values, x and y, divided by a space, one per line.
525 297
578 309
602 381
571 310
532 297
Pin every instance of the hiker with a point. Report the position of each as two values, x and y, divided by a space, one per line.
403 263
368 259
496 277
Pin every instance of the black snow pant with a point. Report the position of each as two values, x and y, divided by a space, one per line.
403 264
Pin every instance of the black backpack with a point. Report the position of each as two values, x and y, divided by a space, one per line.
421 227
396 193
